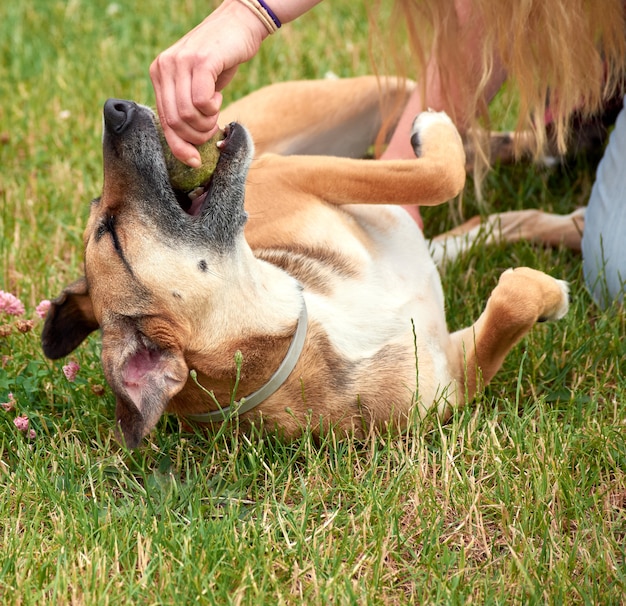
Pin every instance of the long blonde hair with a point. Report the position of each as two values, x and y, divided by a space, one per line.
568 55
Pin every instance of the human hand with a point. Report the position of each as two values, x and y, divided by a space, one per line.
188 76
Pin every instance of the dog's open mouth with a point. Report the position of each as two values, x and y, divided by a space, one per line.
196 200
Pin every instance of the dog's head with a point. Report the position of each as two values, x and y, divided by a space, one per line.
155 262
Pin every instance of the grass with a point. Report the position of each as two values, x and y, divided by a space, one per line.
521 498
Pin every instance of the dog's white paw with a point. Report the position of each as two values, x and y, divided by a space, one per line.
424 123
539 290
561 310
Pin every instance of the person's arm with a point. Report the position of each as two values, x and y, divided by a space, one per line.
188 76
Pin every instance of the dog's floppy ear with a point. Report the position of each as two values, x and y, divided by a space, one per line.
144 379
69 321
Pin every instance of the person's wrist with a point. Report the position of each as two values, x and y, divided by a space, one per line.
242 14
263 13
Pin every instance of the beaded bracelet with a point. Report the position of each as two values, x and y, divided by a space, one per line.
264 13
271 14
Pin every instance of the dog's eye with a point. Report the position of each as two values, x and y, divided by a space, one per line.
101 231
107 226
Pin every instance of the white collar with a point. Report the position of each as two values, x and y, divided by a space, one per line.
274 383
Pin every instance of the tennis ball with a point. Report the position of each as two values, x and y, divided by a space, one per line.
186 178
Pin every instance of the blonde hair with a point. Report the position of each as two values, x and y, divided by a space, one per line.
568 55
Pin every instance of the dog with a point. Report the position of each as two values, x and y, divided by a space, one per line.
298 291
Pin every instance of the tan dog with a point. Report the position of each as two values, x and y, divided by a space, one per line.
329 293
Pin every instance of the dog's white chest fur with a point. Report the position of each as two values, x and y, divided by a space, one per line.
396 293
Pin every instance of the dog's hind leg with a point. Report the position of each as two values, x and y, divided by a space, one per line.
331 117
437 173
522 298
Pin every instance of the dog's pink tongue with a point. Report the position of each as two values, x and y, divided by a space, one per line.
196 205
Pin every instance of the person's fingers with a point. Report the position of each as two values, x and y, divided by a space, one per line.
181 144
182 138
204 97
181 149
224 79
177 99
184 126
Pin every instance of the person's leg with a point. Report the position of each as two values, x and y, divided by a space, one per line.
604 236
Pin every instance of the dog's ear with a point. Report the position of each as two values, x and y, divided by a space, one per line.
69 321
144 379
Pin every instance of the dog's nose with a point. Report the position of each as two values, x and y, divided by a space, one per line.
118 114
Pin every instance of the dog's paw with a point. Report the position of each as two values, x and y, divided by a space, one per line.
562 305
537 290
426 125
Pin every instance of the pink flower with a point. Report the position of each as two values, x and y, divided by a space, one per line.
10 304
21 423
10 405
71 370
42 309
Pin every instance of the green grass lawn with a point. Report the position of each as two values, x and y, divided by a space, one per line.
521 498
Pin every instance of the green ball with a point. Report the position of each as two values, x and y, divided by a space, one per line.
186 178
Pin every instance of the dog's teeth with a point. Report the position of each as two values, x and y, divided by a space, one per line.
194 193
220 143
